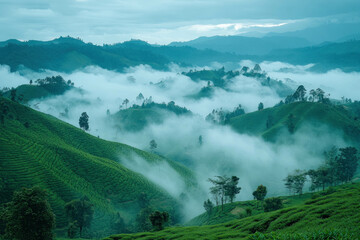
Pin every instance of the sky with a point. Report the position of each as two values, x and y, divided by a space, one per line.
160 21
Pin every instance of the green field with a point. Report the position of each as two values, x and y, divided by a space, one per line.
38 149
331 211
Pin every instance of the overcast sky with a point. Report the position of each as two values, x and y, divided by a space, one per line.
160 21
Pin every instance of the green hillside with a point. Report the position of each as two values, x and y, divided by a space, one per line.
337 211
236 210
271 122
137 117
38 149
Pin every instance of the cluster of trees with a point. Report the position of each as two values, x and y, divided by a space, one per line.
28 216
220 116
224 190
80 214
299 95
147 218
54 84
146 103
339 166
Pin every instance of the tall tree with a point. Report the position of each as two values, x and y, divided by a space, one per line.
153 144
13 94
125 102
290 123
84 121
346 164
260 193
158 219
219 188
81 212
260 106
208 205
29 216
231 188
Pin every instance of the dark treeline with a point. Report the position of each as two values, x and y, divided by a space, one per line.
339 167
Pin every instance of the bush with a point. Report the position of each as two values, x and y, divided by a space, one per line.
272 204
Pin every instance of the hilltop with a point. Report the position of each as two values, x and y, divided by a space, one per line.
38 149
66 54
328 214
271 122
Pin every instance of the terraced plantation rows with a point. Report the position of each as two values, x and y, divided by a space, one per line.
37 149
317 114
336 212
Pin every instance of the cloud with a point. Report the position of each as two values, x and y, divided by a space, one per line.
223 151
155 21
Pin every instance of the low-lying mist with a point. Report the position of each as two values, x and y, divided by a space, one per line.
222 150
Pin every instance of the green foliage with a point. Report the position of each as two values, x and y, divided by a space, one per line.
334 215
272 204
80 212
69 163
208 205
336 118
84 121
143 220
317 235
158 219
346 164
260 193
29 216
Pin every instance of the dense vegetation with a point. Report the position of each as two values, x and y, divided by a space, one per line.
326 214
137 117
67 54
37 149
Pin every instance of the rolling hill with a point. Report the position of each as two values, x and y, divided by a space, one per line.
38 149
244 45
270 122
66 54
331 214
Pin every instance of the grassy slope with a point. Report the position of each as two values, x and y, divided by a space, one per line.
237 210
335 117
70 163
338 210
136 119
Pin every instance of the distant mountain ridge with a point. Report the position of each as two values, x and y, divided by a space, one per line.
245 45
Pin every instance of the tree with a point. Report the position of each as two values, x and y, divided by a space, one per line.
143 223
313 95
140 97
299 178
84 121
290 123
4 110
31 82
272 204
300 93
231 188
153 144
346 164
157 220
200 140
260 106
289 182
81 212
260 193
29 216
208 205
125 102
219 189
13 94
